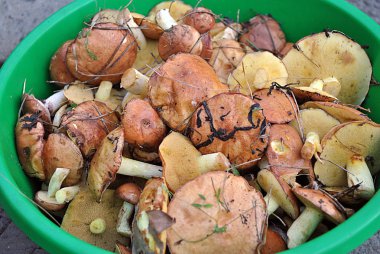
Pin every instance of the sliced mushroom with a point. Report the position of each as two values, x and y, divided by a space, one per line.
179 85
257 70
318 205
211 211
182 162
29 134
58 68
331 54
202 19
232 124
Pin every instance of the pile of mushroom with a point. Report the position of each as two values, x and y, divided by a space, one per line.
186 131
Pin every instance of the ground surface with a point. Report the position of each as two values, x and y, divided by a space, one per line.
17 18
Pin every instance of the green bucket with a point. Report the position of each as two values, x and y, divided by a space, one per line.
30 62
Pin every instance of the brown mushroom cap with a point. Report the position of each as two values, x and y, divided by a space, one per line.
288 46
278 107
50 204
58 68
226 56
274 243
179 39
284 152
264 33
179 85
305 94
207 47
87 125
320 201
129 192
232 124
142 125
32 105
217 213
341 143
331 54
149 27
340 111
60 152
29 134
101 53
200 18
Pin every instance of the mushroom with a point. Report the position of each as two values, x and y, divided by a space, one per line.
354 146
141 155
122 249
29 134
108 161
226 55
226 30
78 93
200 18
56 180
257 70
233 124
331 55
182 162
84 209
66 194
110 96
308 93
274 242
87 124
32 105
177 9
50 204
143 128
135 82
318 206
60 152
148 26
279 193
58 68
264 33
207 47
278 106
179 85
148 59
288 46
217 212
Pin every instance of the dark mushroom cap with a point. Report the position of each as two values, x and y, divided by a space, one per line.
233 124
206 46
200 18
32 105
305 94
58 67
129 192
149 27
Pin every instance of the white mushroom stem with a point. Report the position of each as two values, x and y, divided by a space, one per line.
140 169
66 194
135 82
122 225
360 174
164 19
137 33
98 226
213 161
58 117
312 146
272 205
55 101
303 227
104 91
317 84
50 204
56 180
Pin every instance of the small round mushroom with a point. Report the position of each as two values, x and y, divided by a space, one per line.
202 19
58 67
318 205
143 127
30 142
211 211
232 124
129 192
331 54
264 33
50 204
179 86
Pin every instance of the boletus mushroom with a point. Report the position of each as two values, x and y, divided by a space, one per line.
217 212
58 67
233 124
202 19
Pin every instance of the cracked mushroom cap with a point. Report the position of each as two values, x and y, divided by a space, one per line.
143 127
233 124
331 54
88 123
284 152
58 67
29 134
278 106
341 143
320 201
180 85
103 52
61 152
217 213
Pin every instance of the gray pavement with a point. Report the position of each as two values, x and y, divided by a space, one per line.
17 18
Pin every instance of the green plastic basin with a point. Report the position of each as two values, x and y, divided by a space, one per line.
30 61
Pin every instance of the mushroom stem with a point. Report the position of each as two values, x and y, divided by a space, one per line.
317 84
135 82
66 194
359 173
140 169
312 146
272 205
98 226
56 180
303 227
213 161
122 225
55 101
137 33
104 91
58 117
164 19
